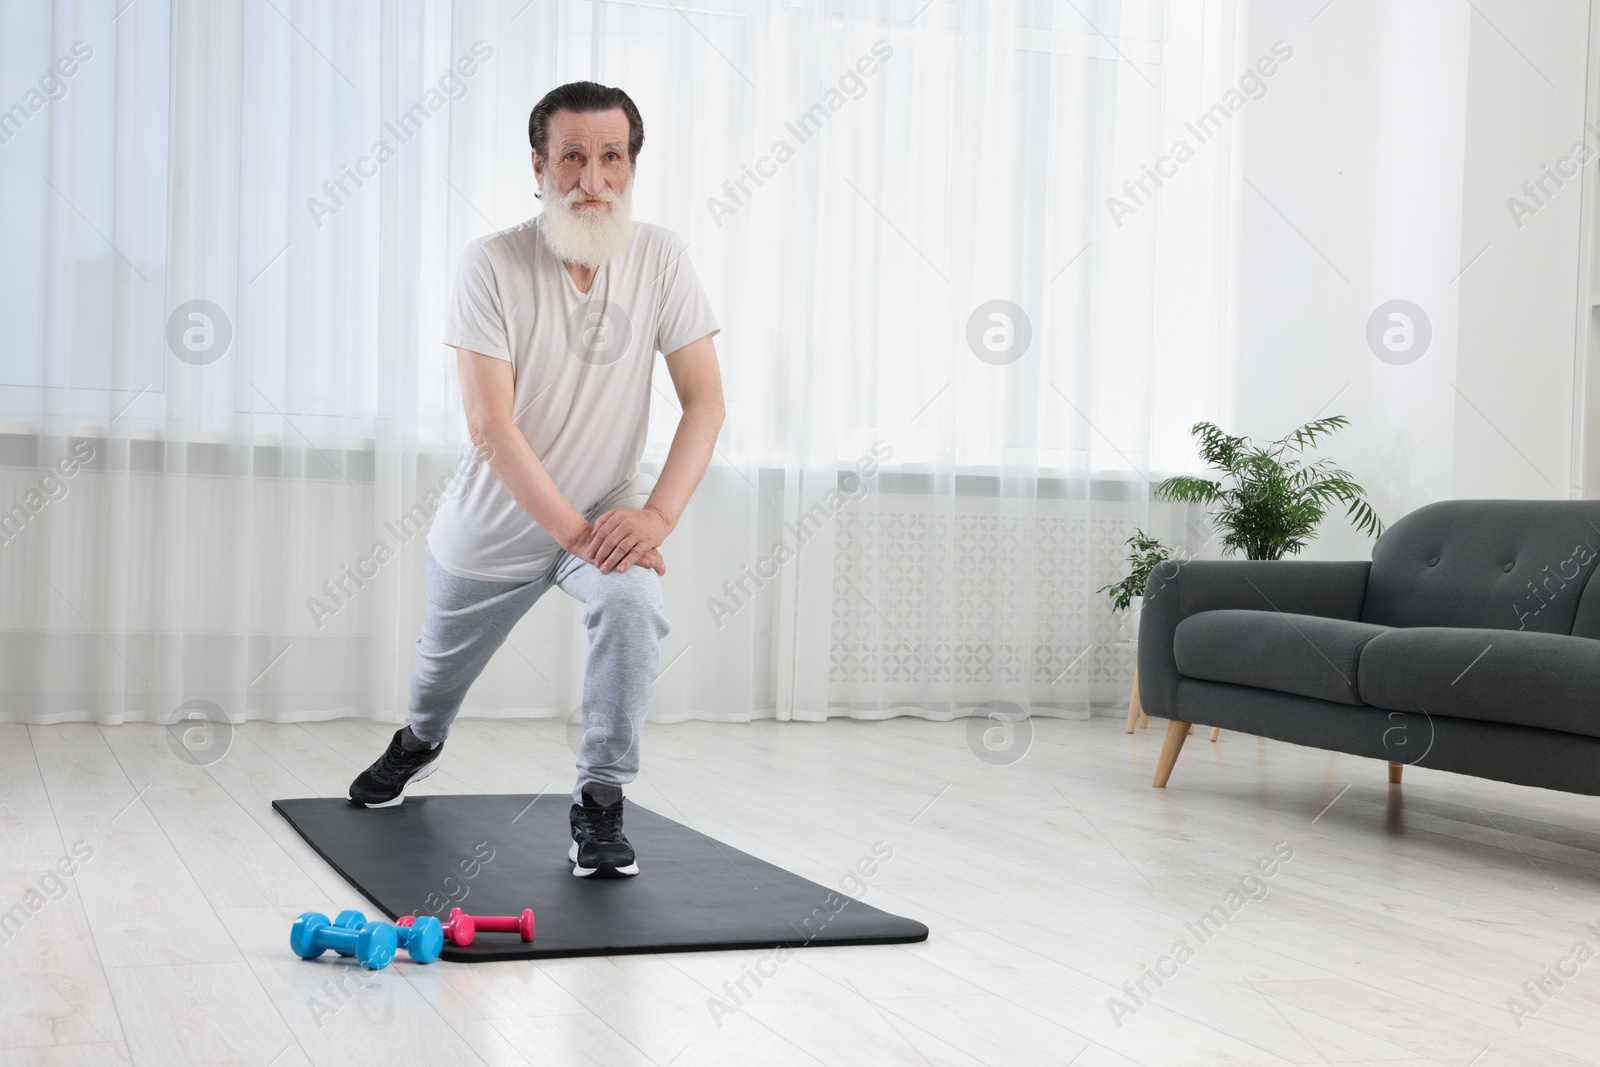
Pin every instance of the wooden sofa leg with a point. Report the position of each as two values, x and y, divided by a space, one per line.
1177 733
1394 772
1135 710
1216 731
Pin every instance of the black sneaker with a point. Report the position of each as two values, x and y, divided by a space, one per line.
383 784
598 843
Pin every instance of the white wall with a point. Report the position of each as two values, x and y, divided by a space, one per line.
1520 302
1377 167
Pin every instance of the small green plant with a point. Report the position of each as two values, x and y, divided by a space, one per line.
1147 555
1268 500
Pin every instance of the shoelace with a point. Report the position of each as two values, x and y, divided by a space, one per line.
396 762
605 824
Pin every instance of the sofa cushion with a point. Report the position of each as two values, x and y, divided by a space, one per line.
1513 676
1303 654
1501 564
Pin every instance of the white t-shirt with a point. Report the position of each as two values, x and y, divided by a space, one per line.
582 364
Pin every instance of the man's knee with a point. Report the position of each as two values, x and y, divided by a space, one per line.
630 598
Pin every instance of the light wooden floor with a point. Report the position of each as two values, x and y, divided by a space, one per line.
1396 935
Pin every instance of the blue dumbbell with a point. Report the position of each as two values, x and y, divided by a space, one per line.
349 919
373 945
423 939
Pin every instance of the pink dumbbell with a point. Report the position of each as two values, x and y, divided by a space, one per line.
501 924
459 928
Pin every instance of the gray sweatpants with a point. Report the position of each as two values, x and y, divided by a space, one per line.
468 620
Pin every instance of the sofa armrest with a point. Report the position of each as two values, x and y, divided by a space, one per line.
1333 589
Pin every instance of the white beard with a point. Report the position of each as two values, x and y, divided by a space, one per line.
587 236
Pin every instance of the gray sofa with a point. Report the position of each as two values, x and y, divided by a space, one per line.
1470 642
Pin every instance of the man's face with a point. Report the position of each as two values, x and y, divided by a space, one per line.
587 188
589 157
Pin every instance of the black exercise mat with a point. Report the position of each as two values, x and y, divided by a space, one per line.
495 854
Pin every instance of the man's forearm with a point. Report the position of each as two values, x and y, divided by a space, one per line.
687 459
513 461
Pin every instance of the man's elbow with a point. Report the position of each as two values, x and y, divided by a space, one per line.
484 429
709 412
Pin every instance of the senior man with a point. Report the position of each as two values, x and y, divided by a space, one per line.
555 323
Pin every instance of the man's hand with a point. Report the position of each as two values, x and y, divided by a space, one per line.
583 548
625 536
653 560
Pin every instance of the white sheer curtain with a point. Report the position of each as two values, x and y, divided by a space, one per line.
918 490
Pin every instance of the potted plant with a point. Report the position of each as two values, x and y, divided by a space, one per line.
1147 555
1267 502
